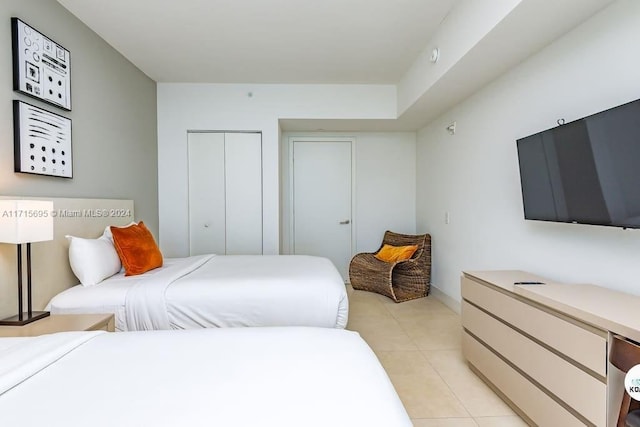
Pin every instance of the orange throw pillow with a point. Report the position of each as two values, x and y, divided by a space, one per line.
390 253
136 248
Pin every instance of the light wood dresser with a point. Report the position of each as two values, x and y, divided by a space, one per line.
543 347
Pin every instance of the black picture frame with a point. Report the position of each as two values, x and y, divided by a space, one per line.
42 141
41 67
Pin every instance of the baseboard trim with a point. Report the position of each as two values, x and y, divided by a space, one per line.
446 299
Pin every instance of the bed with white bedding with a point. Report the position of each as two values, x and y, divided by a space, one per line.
230 377
218 291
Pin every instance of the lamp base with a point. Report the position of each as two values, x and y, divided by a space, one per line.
15 320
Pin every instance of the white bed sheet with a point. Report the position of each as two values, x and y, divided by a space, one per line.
295 376
227 291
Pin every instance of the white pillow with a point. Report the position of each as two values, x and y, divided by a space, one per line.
109 235
93 260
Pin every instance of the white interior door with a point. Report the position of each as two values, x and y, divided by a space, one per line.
243 172
322 201
206 193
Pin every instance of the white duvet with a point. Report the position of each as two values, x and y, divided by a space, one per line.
296 376
218 291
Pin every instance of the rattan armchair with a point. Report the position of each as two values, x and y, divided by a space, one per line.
401 280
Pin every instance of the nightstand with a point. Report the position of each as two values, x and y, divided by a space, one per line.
61 323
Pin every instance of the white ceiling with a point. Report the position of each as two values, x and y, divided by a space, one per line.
327 41
266 41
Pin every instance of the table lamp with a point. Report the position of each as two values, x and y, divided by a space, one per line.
25 221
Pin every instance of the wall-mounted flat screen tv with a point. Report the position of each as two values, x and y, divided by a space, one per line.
586 171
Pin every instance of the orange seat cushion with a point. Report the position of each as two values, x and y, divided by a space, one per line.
390 253
136 248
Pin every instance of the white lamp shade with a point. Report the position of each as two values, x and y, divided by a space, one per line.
26 221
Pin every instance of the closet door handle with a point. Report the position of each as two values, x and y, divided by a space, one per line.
345 222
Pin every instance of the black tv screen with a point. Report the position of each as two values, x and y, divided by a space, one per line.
586 171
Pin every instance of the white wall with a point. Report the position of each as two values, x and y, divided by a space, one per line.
474 174
385 187
183 107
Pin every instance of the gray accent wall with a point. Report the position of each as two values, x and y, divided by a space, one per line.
114 126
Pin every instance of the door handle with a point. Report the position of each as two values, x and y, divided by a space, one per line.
345 222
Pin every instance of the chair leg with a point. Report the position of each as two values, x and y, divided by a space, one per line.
624 410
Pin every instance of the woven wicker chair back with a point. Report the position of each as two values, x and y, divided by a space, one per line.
397 239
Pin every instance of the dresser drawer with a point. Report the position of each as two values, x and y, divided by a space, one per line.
539 407
576 388
580 344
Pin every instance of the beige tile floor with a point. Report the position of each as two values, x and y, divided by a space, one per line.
418 343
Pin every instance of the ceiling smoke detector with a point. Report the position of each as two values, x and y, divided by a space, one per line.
435 55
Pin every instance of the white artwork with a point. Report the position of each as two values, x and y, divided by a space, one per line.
42 141
41 67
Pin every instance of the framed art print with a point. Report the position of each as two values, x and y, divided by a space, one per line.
41 67
42 141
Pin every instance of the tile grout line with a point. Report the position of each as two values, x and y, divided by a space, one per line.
388 313
431 365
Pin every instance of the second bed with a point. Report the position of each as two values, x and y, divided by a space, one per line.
218 291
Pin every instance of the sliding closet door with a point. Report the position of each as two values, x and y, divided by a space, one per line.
206 193
243 172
